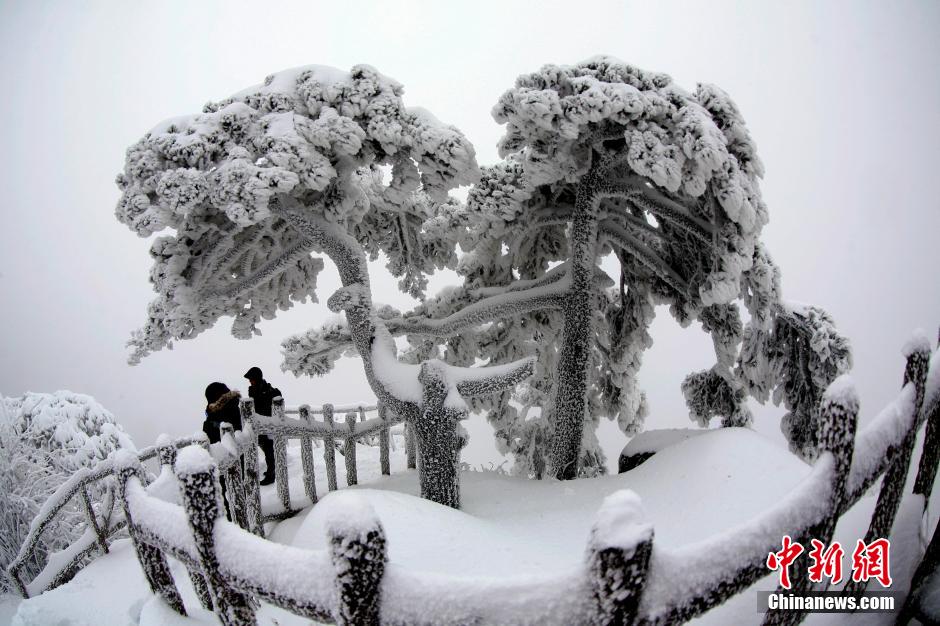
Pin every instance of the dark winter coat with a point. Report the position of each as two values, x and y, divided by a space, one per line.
263 394
225 409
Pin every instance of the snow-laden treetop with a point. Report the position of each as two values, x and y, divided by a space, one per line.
312 134
694 160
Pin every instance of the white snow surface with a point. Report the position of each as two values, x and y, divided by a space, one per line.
656 440
932 391
918 342
621 522
842 391
516 550
193 460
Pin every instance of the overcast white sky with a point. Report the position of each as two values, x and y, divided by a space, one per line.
843 99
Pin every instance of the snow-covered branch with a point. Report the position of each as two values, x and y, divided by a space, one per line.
267 270
645 255
660 205
508 304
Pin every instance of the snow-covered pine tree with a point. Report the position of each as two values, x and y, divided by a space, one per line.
259 181
44 439
601 158
604 158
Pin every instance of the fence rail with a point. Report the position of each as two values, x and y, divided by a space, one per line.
626 577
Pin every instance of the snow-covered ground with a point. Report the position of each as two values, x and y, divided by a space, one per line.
508 527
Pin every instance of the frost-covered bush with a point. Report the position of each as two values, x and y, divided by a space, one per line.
44 439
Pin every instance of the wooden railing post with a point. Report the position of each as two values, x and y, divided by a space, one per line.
152 560
410 446
838 419
280 456
383 441
198 477
306 455
930 456
329 448
619 550
166 451
100 537
252 487
358 553
349 450
234 491
917 352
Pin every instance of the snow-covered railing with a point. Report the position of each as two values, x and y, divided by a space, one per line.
97 536
625 578
307 429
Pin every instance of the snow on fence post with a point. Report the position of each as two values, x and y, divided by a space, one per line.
151 559
280 456
100 537
166 451
197 474
410 446
349 451
329 448
917 351
306 455
383 441
234 490
358 552
619 550
436 438
838 419
836 435
252 488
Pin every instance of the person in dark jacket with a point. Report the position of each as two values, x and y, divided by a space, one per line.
263 394
221 406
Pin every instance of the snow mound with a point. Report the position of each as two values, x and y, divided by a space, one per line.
510 526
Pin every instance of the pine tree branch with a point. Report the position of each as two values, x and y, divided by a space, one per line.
489 309
632 220
266 271
644 196
646 256
553 275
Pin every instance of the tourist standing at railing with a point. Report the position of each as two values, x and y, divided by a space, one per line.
221 406
263 394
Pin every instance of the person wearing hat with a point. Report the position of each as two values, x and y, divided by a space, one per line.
221 406
263 394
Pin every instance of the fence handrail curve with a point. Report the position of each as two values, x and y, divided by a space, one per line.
64 494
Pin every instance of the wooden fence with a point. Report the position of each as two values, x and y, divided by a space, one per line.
237 462
626 578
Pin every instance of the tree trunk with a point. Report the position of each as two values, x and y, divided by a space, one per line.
436 438
571 373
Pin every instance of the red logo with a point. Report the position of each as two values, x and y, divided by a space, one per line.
871 561
868 561
781 560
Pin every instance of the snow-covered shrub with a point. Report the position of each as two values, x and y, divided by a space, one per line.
44 439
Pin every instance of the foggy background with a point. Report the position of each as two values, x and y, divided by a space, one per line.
842 99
